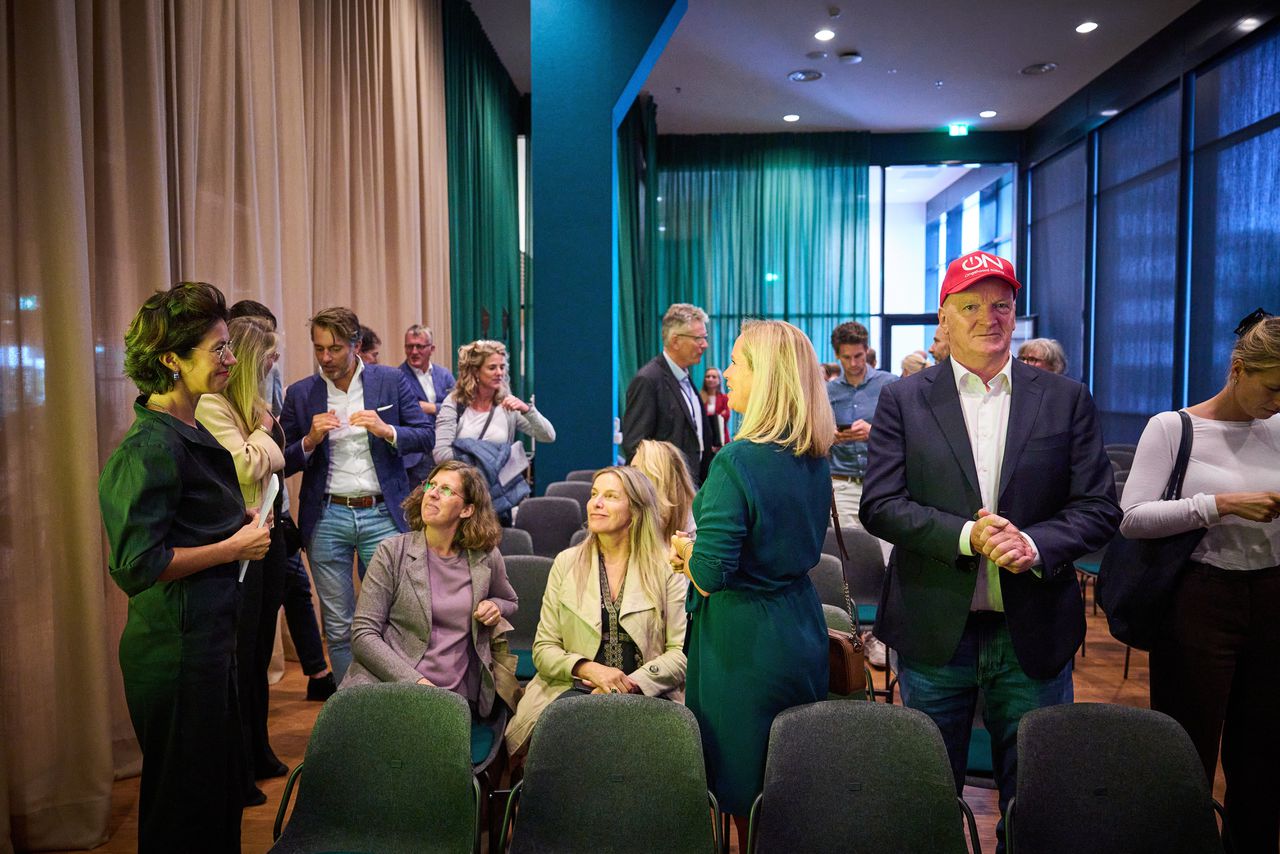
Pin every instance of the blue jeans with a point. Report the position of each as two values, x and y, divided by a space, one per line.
983 661
341 534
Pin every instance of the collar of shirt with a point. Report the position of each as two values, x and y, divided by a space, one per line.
680 373
419 373
356 384
866 378
967 382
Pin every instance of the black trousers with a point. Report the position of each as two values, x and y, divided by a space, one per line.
262 595
300 614
1216 670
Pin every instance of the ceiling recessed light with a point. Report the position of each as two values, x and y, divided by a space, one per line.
824 35
892 71
1039 68
987 114
816 54
1248 25
850 57
1086 27
804 75
1109 113
791 117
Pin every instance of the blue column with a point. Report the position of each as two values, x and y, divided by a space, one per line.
589 60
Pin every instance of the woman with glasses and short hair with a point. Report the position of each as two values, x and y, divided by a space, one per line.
1044 353
435 601
241 420
176 523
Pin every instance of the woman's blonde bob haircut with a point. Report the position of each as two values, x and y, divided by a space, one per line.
1258 349
471 358
788 404
647 560
663 464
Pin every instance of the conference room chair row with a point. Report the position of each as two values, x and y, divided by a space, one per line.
626 774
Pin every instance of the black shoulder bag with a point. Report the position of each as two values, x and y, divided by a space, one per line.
1137 578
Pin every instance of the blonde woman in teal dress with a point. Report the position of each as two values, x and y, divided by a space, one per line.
757 637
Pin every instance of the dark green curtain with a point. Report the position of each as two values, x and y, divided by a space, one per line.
481 116
639 314
768 226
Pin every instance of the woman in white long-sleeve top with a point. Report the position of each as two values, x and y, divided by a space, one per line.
1216 666
481 406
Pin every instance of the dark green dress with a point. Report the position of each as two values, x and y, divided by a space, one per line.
169 485
758 643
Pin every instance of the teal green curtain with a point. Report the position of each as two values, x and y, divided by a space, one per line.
639 314
770 226
481 115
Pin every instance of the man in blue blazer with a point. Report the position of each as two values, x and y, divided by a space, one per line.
990 479
430 382
346 430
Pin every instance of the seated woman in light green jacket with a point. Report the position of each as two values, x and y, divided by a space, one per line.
613 617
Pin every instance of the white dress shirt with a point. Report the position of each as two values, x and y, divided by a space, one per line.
692 404
424 380
986 419
351 470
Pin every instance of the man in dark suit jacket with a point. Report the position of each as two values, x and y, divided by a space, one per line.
662 402
430 382
345 430
990 478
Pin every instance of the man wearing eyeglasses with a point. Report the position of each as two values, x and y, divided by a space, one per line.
662 401
431 382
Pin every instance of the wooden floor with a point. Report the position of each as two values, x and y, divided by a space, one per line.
1098 678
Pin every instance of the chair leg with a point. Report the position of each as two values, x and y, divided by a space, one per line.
1128 650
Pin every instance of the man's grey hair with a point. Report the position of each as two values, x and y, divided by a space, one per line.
418 329
1048 349
679 317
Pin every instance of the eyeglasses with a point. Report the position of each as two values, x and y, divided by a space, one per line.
419 346
221 352
701 338
428 485
1031 360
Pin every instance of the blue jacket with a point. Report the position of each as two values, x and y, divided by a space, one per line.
420 465
489 458
383 386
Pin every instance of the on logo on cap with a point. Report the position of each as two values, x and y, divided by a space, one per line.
981 261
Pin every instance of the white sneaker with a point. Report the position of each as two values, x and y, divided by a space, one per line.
875 650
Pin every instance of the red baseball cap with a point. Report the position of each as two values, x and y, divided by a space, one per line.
968 270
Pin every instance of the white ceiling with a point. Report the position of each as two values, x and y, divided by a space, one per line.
724 70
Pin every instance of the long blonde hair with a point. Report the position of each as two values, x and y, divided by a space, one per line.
788 403
252 340
471 358
664 465
648 554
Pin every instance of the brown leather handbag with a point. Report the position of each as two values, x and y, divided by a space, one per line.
846 656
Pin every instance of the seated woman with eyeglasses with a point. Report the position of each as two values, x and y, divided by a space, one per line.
434 602
612 616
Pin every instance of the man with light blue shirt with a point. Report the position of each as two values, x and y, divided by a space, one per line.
662 402
853 395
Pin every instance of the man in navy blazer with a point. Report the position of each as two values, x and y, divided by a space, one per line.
430 382
990 479
346 430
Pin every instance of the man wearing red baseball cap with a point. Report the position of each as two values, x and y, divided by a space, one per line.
990 479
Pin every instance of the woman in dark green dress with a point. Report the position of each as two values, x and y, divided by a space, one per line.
177 528
757 636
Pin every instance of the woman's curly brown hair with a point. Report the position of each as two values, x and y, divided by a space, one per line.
478 532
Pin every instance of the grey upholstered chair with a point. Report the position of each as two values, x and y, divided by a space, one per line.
1108 779
616 773
373 783
856 777
550 521
587 475
575 489
515 541
528 576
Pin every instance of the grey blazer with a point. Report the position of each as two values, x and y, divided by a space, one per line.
392 624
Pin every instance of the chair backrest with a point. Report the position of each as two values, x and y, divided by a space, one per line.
515 541
528 577
550 521
575 489
578 536
1104 778
826 579
371 781
615 773
587 475
1121 456
857 776
866 564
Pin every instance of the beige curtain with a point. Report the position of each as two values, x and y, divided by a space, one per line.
291 152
